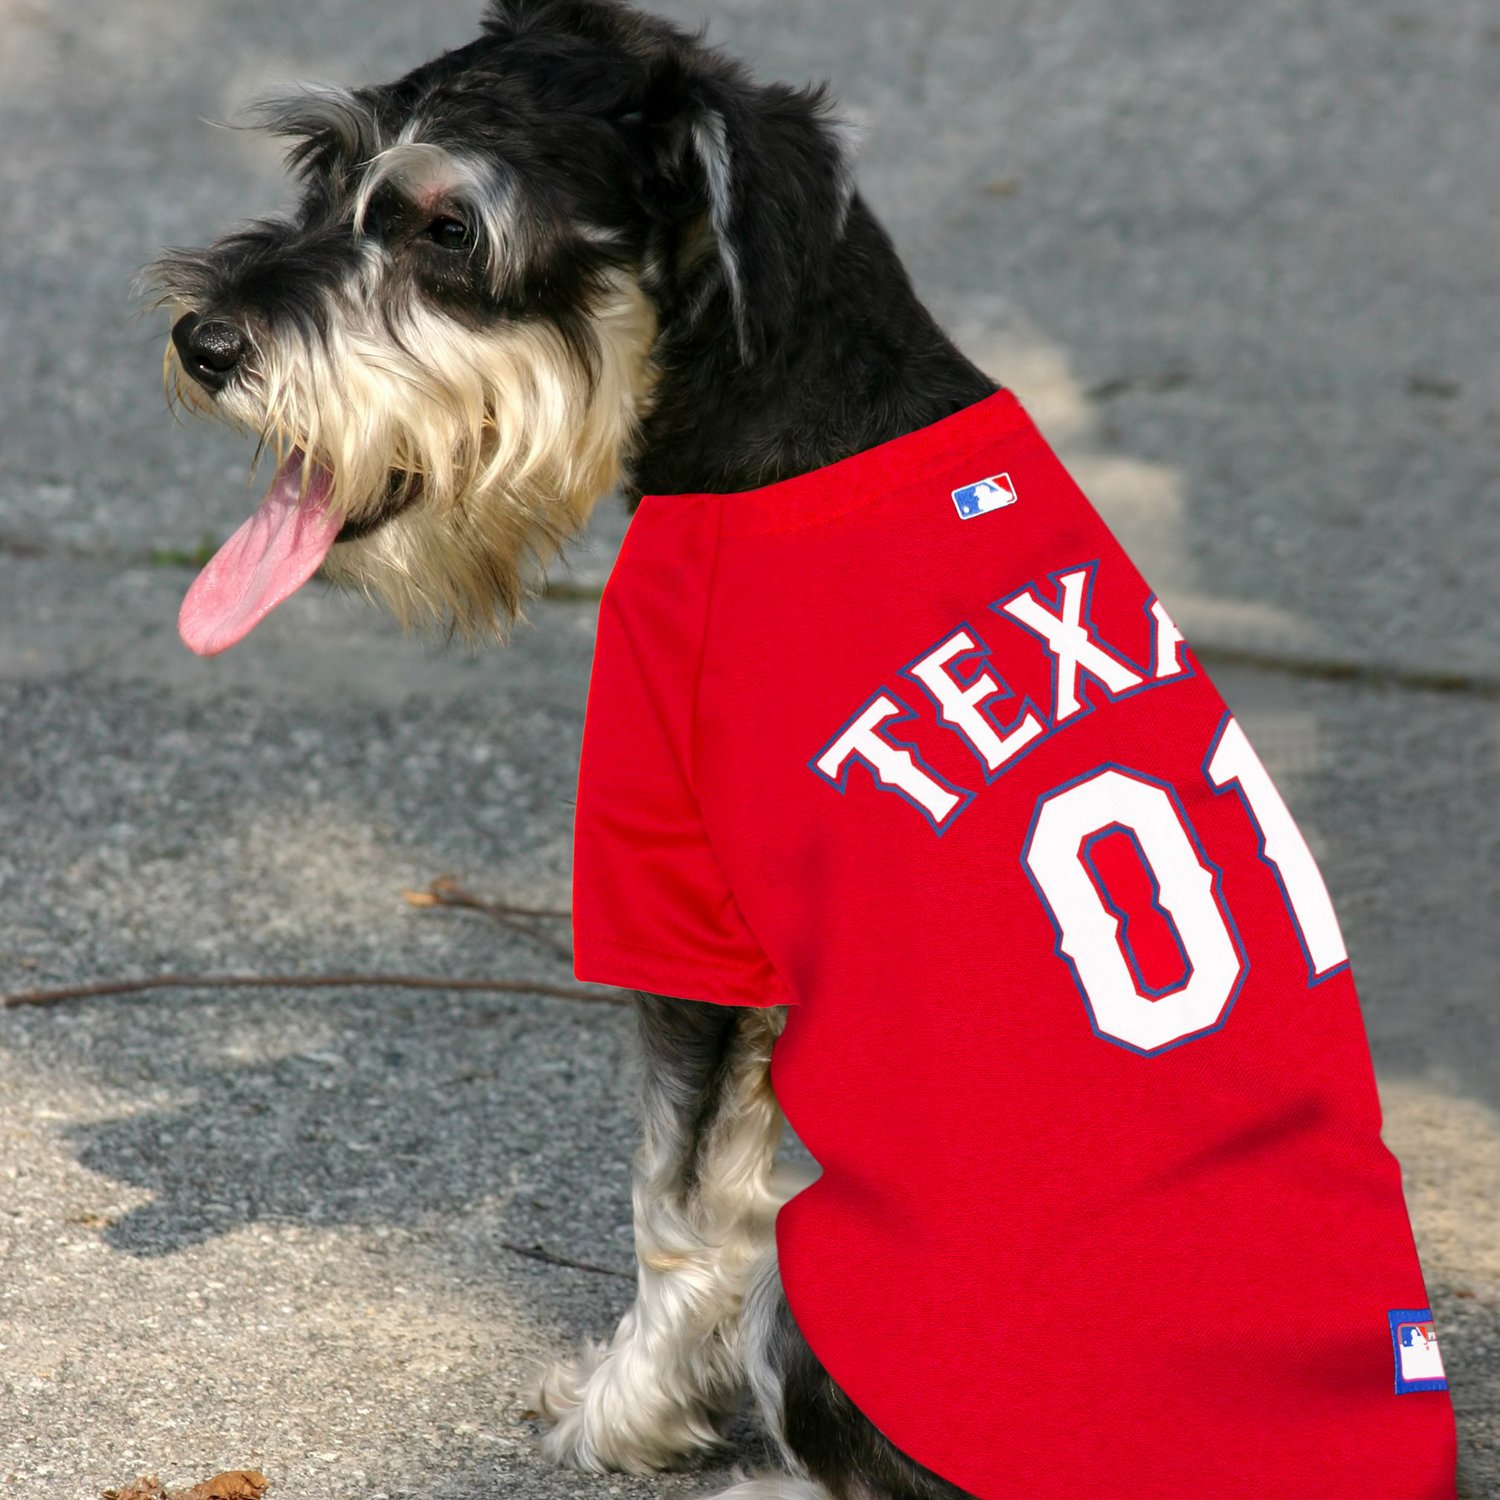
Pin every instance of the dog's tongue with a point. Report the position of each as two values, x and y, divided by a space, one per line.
263 564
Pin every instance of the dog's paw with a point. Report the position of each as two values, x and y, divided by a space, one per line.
610 1412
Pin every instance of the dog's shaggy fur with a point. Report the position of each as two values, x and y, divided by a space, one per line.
584 252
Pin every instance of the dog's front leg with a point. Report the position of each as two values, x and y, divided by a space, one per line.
705 1201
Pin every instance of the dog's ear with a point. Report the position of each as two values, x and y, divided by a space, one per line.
768 169
773 166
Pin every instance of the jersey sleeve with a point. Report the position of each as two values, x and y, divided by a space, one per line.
652 909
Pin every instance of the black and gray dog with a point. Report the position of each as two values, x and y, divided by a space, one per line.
583 252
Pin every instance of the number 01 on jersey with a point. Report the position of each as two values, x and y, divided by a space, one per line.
1091 936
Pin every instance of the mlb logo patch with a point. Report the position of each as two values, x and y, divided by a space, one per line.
1419 1364
980 499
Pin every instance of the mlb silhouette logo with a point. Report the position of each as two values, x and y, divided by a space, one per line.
1419 1364
980 499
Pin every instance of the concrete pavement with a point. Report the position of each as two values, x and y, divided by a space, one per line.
1244 265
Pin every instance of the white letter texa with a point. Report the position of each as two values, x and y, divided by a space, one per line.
959 707
1067 638
894 767
1169 641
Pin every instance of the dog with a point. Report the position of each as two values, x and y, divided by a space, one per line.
588 253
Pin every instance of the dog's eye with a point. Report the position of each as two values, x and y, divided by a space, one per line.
451 234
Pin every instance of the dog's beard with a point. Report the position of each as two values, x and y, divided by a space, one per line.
433 467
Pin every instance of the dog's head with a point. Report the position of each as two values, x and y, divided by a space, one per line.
448 347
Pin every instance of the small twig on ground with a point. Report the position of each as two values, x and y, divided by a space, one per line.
446 891
547 1258
581 994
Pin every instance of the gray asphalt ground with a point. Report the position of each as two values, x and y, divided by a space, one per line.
1243 262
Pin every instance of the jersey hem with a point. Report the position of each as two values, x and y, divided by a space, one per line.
629 968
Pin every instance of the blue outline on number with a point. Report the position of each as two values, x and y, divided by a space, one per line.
841 783
1203 859
1187 658
1106 896
1005 695
1314 979
1086 704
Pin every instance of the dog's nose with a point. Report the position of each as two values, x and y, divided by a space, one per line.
210 349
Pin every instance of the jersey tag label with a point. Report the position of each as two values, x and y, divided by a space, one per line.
1419 1364
994 493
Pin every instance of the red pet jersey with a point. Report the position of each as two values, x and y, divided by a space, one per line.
909 746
